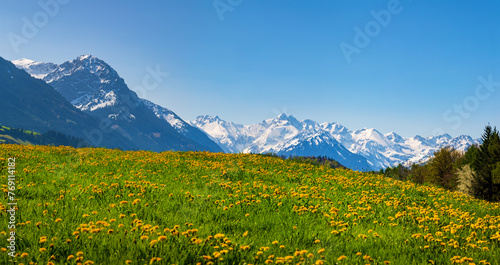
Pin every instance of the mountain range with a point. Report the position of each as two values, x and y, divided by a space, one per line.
365 149
94 88
90 88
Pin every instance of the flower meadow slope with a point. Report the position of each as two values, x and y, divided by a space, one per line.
101 206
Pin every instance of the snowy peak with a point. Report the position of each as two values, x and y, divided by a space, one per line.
90 84
167 115
207 119
23 62
370 134
395 138
36 69
83 66
85 57
182 127
366 148
284 120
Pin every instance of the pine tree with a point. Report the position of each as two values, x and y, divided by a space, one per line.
484 184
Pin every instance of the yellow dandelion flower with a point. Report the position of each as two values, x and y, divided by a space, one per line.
24 255
219 236
321 251
58 220
162 238
70 257
42 250
341 258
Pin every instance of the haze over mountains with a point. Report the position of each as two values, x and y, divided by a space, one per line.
96 90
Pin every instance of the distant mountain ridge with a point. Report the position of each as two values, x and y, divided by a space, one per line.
285 135
94 87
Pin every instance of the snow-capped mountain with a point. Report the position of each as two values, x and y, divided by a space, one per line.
34 105
285 135
36 69
231 137
182 127
94 87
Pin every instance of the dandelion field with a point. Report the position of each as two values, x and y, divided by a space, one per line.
101 206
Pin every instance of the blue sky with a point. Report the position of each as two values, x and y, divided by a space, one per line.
418 72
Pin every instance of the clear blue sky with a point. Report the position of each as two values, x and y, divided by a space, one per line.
266 57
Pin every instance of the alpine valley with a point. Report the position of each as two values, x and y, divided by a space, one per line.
93 91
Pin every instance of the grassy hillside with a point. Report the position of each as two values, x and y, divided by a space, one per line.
112 207
20 136
8 137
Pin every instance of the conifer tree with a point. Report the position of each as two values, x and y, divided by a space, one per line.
485 183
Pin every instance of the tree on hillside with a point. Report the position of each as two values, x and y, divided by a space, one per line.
469 156
399 173
442 169
419 173
486 167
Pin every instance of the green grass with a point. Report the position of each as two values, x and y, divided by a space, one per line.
196 207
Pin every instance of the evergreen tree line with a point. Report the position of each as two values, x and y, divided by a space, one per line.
313 160
475 172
